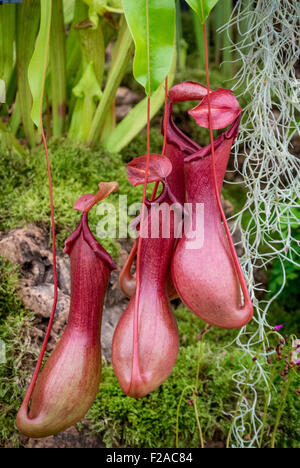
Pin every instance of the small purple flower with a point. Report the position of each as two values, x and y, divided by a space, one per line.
278 327
295 353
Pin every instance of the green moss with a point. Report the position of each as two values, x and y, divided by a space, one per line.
288 434
9 301
75 170
15 322
151 421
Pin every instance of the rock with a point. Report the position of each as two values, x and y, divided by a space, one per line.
125 101
126 96
122 111
29 249
227 207
110 319
114 295
295 145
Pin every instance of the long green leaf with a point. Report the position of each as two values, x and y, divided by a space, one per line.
123 52
7 35
27 22
202 7
58 68
38 64
152 25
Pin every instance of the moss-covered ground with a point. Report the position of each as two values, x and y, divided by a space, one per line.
122 421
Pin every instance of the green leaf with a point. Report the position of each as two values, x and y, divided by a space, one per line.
202 7
38 64
152 25
88 92
7 36
27 24
121 54
69 6
88 86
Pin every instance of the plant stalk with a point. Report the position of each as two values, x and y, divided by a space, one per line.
124 46
58 68
269 389
227 37
199 35
219 37
178 29
92 41
284 393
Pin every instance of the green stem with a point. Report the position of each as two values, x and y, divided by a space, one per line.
283 398
28 15
246 383
194 391
198 365
58 68
269 389
199 35
189 387
197 386
178 29
15 119
198 421
92 41
227 36
219 37
124 46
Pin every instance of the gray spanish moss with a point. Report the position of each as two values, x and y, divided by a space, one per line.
268 50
